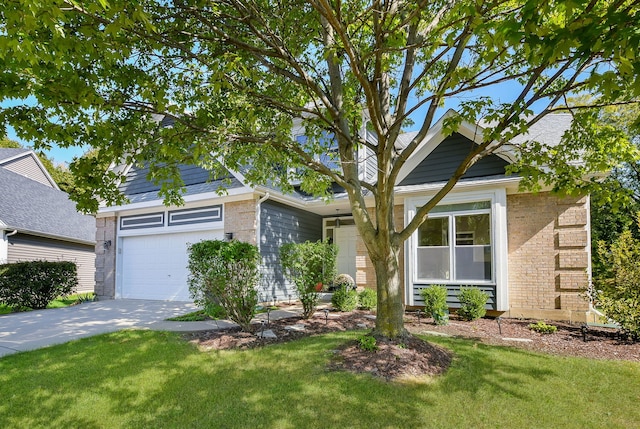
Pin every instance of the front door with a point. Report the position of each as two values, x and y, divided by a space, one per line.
345 238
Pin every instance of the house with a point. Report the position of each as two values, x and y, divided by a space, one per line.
38 221
529 252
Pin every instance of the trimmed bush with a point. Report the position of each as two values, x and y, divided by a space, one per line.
542 328
35 284
617 290
472 302
435 303
368 299
305 265
345 299
344 281
226 274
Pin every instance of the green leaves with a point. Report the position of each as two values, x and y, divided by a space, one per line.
307 265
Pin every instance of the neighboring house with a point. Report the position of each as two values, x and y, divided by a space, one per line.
38 221
529 252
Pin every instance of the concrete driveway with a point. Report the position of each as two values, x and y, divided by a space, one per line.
35 329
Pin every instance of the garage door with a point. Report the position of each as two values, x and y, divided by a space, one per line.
155 266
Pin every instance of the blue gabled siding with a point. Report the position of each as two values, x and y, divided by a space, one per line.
280 224
137 183
442 162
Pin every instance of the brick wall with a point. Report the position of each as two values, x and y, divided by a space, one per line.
240 219
105 287
548 256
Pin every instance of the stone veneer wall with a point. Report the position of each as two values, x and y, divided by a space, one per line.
549 253
106 258
365 273
240 219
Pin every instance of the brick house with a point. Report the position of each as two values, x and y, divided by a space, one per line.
529 252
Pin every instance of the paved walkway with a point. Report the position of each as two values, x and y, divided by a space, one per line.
40 328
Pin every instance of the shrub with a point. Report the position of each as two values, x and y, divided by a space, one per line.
368 343
472 302
345 299
617 290
305 265
225 273
35 284
215 310
344 281
543 328
435 303
368 299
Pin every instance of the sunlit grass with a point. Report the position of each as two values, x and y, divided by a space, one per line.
143 379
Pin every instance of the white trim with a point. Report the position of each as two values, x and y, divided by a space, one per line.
150 222
4 248
587 205
203 218
231 195
498 198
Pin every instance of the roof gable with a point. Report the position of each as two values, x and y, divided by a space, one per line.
424 160
442 162
197 180
26 163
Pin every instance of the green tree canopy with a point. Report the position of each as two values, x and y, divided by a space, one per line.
236 76
60 173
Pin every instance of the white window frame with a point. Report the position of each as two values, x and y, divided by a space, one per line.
499 256
452 234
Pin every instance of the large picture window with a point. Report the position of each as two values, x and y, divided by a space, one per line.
454 244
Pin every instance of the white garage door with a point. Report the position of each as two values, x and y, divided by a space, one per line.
155 266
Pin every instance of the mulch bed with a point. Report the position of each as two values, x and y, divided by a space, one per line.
413 357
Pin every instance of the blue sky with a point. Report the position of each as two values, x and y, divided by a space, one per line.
500 93
59 155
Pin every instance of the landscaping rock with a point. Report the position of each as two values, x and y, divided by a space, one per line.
268 333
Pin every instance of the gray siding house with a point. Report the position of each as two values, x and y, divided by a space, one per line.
38 221
530 252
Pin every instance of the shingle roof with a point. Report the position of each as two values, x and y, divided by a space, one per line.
29 206
9 152
194 189
548 130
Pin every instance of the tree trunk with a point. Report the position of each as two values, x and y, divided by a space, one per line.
390 316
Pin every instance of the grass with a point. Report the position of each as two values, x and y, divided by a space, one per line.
194 316
59 302
199 315
144 379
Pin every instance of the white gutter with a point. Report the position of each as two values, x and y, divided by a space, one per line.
52 236
157 203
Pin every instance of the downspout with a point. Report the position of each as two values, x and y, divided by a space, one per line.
261 200
14 232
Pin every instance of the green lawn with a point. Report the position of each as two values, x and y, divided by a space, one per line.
144 379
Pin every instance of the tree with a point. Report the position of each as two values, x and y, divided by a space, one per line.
616 203
235 75
60 173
